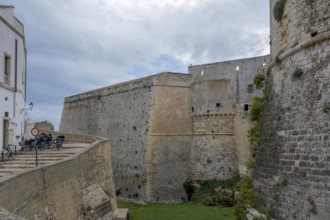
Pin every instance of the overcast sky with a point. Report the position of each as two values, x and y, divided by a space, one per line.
79 45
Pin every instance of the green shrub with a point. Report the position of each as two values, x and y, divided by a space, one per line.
203 191
279 10
247 198
258 80
326 108
254 135
298 73
250 163
189 188
256 109
283 182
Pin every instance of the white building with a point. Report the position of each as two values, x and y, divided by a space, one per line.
12 77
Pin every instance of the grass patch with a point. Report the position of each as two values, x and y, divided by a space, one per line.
182 211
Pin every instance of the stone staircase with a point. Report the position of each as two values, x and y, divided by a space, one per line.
25 160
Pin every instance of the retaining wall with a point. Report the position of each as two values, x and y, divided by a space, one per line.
59 186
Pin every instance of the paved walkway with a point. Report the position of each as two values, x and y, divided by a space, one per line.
26 160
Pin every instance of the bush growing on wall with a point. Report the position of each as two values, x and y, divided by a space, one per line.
279 10
211 192
255 116
247 198
258 80
297 74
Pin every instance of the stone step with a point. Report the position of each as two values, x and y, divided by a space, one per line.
9 170
25 160
19 162
39 156
121 214
18 166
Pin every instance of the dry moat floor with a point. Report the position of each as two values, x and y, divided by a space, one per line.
185 211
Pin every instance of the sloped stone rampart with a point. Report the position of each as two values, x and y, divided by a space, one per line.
59 185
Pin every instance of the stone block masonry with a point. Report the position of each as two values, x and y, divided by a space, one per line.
292 171
221 94
169 127
136 116
56 190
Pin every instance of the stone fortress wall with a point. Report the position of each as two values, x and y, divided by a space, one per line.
56 190
169 127
293 167
221 93
138 117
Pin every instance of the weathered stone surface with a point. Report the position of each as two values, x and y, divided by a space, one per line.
252 214
5 215
169 127
54 190
95 202
292 168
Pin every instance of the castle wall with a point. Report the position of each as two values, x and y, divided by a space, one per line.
213 154
301 21
59 186
122 114
221 94
169 127
143 119
170 138
292 172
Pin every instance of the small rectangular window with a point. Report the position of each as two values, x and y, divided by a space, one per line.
250 88
218 105
246 107
7 70
192 109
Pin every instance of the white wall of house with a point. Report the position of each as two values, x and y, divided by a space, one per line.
12 77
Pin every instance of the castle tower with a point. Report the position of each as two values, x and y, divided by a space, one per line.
293 166
220 97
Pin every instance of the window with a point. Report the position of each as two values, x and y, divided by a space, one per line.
250 88
246 107
7 69
218 105
192 109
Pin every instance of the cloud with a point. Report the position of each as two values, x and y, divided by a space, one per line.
79 45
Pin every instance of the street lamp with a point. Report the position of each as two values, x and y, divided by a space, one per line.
31 105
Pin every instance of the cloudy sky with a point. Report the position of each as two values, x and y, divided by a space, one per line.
79 45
